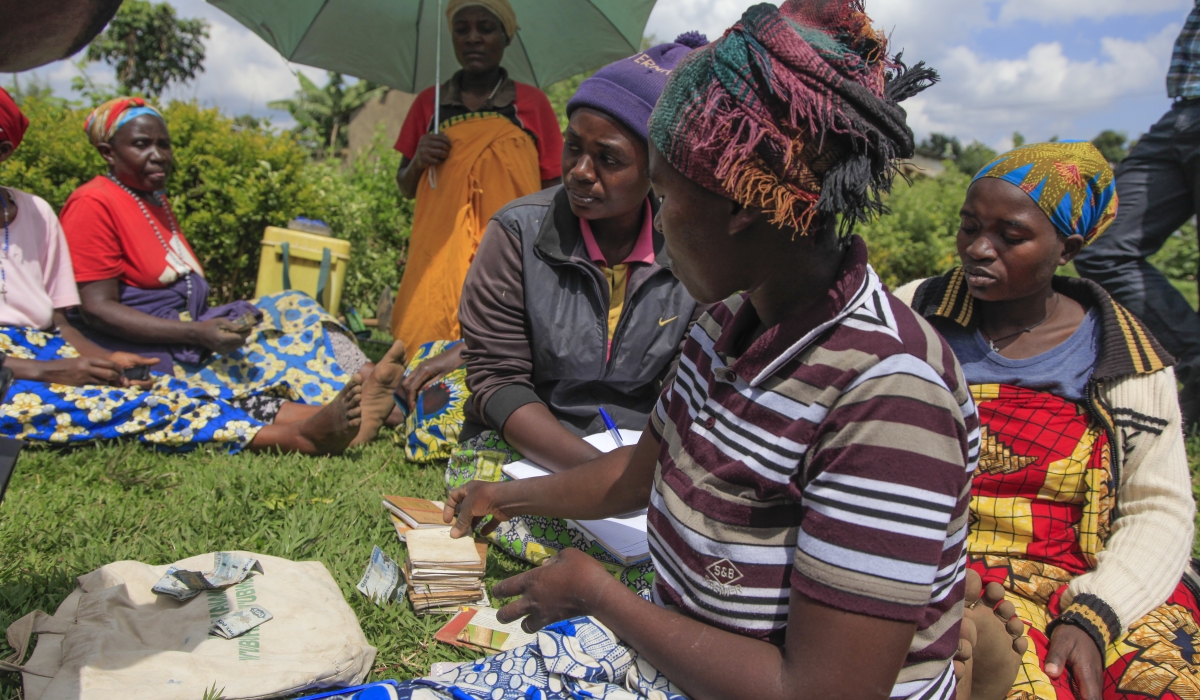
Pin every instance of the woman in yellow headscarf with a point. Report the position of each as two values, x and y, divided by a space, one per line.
498 140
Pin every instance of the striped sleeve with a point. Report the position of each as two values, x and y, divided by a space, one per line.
658 417
885 494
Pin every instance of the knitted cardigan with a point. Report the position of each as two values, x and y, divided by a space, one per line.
1133 395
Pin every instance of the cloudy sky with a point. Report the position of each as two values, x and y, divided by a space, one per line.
1066 68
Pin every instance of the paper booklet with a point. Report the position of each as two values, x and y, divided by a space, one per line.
433 547
624 536
478 629
418 513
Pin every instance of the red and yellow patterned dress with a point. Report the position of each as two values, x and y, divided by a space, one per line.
1046 508
1040 507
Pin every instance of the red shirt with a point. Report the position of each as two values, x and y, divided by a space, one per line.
533 114
109 238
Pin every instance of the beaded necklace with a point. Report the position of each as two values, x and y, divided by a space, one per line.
171 222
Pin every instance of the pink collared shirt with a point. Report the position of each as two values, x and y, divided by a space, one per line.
618 275
643 250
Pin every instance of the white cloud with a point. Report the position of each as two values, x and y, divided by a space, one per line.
1063 11
918 23
1042 93
670 18
241 72
921 27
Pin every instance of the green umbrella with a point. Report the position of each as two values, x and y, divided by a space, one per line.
395 42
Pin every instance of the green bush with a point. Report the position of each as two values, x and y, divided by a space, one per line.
560 94
917 239
230 184
1179 258
55 156
231 181
362 204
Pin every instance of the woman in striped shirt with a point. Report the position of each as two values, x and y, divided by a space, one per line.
807 472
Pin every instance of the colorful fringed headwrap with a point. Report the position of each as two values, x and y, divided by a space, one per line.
104 121
794 111
1071 181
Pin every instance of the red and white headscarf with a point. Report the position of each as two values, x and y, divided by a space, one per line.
104 121
12 122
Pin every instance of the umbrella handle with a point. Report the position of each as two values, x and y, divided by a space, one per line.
437 88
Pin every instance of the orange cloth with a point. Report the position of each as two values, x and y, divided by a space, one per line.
491 163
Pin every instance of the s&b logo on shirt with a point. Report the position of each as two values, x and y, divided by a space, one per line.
722 577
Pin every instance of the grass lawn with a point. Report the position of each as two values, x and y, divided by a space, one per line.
70 512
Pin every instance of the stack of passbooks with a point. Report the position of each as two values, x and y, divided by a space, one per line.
443 574
623 536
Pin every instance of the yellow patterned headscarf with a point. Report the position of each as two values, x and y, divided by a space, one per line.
1071 181
503 11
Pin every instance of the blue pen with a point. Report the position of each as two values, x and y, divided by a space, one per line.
612 427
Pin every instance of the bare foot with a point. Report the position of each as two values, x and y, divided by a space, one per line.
964 664
377 393
1000 639
330 430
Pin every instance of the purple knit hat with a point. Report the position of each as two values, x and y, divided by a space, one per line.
627 90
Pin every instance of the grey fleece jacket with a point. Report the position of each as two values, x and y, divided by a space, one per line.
534 315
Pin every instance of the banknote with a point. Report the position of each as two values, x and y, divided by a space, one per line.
239 622
443 667
381 581
228 569
169 585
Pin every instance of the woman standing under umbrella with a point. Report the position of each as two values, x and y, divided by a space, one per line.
497 140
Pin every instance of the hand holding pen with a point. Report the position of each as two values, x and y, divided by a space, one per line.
611 426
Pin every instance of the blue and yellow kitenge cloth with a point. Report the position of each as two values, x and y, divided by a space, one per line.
289 356
432 427
174 415
1070 180
572 659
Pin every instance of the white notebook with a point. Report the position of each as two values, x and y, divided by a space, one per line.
623 536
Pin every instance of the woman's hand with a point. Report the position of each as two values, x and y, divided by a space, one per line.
429 372
432 149
78 371
128 360
1072 649
220 336
568 585
471 503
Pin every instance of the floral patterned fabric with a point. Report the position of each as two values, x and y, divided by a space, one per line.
289 356
534 538
432 427
577 658
173 415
